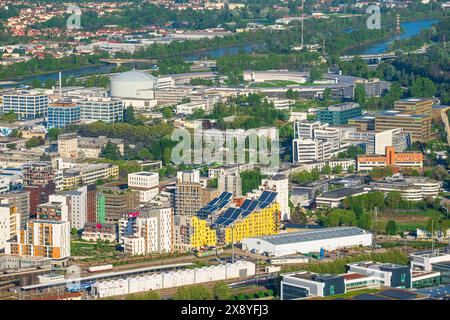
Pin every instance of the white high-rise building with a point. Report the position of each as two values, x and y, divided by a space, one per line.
153 232
78 212
308 150
9 223
279 184
26 104
147 183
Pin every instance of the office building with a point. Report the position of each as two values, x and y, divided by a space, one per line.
9 223
304 284
363 123
417 125
68 145
415 106
62 113
42 238
410 188
391 158
104 109
309 150
397 138
333 199
26 104
118 201
318 131
339 114
374 87
308 241
394 275
146 183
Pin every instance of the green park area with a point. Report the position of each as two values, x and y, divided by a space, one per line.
93 251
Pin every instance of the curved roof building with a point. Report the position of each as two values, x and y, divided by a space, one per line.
133 84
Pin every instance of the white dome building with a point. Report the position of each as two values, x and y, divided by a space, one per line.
133 84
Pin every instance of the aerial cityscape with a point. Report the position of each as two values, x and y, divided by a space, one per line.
242 150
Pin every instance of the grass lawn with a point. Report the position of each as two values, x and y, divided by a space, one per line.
408 220
413 244
350 294
93 251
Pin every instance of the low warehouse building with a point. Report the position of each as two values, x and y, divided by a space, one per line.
308 241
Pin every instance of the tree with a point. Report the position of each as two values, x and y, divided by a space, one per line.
326 169
391 228
74 231
150 295
221 291
337 169
110 151
365 221
34 142
298 216
145 154
315 74
423 88
193 293
327 94
360 94
10 116
129 117
351 169
167 113
53 134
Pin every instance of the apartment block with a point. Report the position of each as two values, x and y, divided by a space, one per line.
89 174
68 145
9 224
42 238
21 201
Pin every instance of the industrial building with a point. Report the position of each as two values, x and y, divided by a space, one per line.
308 241
172 279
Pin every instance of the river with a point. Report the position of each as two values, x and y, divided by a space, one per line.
409 29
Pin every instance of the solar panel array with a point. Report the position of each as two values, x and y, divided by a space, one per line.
247 207
214 205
